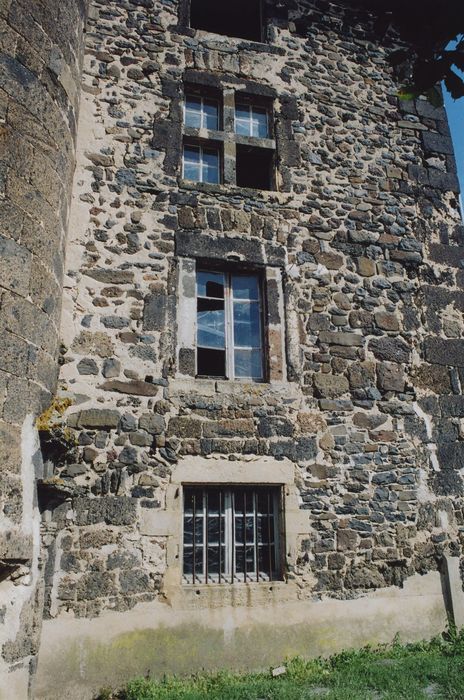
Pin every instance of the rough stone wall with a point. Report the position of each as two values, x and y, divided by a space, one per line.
40 54
366 232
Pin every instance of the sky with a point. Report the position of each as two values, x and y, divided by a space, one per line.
455 111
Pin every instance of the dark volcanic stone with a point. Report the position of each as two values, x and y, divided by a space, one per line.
392 349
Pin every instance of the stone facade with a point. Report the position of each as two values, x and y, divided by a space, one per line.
359 244
40 67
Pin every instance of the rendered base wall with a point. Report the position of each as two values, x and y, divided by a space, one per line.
78 657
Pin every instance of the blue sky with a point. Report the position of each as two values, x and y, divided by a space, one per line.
455 110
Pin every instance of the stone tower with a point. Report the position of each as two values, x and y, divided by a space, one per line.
40 64
257 437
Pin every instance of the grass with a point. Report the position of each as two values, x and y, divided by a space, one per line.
418 671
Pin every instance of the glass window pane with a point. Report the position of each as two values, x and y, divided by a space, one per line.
193 112
260 125
210 166
210 325
192 163
248 364
210 114
210 284
245 287
242 112
246 325
242 127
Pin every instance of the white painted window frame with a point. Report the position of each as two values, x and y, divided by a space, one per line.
202 99
252 107
201 149
230 346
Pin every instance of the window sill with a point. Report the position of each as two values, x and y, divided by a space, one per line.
232 190
220 595
210 387
218 41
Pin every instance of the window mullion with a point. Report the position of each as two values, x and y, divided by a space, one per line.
229 318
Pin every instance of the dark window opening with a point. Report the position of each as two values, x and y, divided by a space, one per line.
211 363
232 534
255 167
240 18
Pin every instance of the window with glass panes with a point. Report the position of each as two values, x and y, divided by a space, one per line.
251 120
231 534
229 325
201 112
201 163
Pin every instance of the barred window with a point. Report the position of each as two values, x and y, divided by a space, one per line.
231 534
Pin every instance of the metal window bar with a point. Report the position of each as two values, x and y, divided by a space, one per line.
269 534
265 506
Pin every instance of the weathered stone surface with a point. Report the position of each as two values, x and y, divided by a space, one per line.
154 312
444 352
87 366
391 349
340 338
390 377
97 418
152 423
135 387
109 276
112 510
330 386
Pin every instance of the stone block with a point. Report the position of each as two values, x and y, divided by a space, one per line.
239 427
386 321
15 266
347 540
154 312
89 343
97 418
435 378
117 322
390 377
153 423
449 352
110 276
270 426
87 366
299 450
14 354
341 338
330 386
390 349
111 368
112 510
437 143
185 427
95 584
135 387
134 581
366 267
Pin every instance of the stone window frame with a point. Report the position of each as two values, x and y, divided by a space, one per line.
168 133
226 136
167 524
273 317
